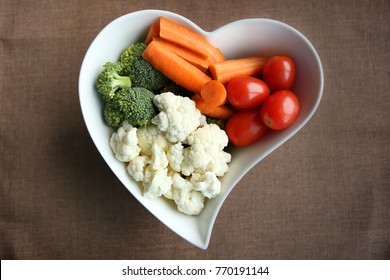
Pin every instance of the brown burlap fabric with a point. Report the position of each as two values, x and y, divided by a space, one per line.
325 194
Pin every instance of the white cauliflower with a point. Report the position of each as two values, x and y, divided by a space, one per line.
178 155
159 159
188 201
156 182
169 194
148 136
178 116
203 120
205 151
136 167
175 156
208 184
124 143
152 171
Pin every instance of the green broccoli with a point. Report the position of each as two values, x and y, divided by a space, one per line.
113 115
141 72
135 105
176 89
109 80
221 123
129 55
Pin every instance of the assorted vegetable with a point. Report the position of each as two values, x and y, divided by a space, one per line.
176 103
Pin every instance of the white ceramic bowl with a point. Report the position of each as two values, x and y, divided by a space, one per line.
238 39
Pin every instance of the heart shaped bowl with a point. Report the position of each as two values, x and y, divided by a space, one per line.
238 39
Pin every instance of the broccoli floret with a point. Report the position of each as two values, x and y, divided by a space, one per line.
141 72
135 105
113 115
139 106
176 89
145 75
129 55
110 80
221 123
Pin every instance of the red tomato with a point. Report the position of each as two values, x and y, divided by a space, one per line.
279 72
245 127
246 92
280 109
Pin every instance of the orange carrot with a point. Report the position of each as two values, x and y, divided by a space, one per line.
225 70
214 93
184 36
195 59
216 56
223 112
175 67
154 31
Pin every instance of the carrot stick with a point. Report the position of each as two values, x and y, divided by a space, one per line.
219 112
225 70
214 93
184 36
216 56
175 67
195 59
154 31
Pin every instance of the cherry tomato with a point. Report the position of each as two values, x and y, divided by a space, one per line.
246 92
245 127
279 72
280 109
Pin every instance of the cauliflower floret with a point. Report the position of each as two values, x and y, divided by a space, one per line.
169 194
178 155
159 159
205 151
156 182
175 156
178 116
203 120
148 136
152 171
124 143
136 167
208 184
194 157
188 201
